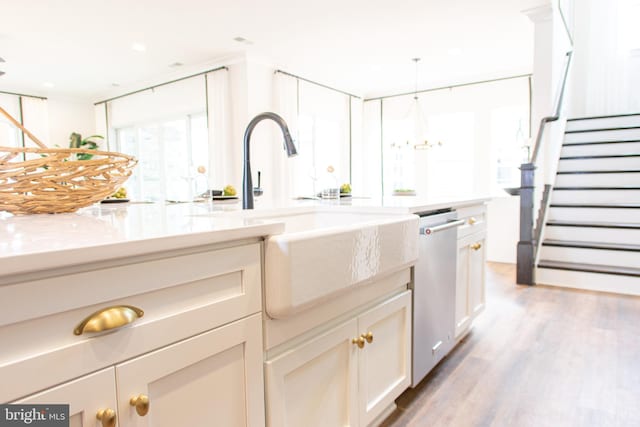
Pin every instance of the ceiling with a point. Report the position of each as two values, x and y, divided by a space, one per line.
83 47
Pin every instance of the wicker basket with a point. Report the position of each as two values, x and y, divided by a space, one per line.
54 182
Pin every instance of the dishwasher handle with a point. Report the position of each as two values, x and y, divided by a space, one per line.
430 230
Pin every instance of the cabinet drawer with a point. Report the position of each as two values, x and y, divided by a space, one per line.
181 296
474 219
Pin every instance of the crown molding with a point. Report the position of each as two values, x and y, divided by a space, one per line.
539 13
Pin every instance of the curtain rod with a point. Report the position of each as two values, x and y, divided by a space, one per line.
449 87
317 84
162 84
22 94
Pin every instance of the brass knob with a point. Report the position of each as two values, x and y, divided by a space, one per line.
358 341
368 336
476 246
141 402
472 220
107 416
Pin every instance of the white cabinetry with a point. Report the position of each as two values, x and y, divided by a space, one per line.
85 396
213 378
195 355
470 278
339 378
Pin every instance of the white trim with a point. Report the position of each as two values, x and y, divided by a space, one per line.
599 282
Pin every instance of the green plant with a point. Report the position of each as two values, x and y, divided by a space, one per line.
76 141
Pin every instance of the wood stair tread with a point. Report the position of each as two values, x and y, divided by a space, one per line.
592 245
600 156
594 224
575 119
597 172
596 205
618 141
589 268
602 129
576 188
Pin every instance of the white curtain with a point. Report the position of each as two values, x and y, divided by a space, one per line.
287 172
221 158
9 134
602 47
35 117
357 105
102 126
367 159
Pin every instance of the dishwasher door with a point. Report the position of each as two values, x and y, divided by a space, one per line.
434 287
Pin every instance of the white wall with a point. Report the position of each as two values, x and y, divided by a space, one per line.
67 115
503 214
605 76
251 93
52 120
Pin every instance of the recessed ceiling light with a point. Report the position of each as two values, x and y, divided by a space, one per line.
242 40
176 64
115 84
138 47
48 84
454 51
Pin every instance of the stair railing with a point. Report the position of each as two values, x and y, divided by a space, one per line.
530 235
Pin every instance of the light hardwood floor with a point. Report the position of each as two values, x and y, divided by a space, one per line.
538 356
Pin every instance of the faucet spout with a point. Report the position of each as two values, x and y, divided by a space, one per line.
289 147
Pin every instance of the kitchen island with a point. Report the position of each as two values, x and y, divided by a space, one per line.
195 274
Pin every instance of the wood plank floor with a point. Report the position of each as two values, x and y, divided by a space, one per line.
538 356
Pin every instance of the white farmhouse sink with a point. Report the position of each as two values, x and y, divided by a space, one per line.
322 254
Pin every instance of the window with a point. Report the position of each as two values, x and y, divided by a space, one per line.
509 130
166 129
169 153
321 123
477 137
9 134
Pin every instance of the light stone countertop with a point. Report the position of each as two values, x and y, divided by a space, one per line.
110 231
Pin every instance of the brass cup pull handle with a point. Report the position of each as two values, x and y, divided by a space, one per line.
472 220
109 318
358 341
107 417
476 246
141 402
368 337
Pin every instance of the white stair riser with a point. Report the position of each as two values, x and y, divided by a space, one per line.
606 135
608 122
591 256
595 196
590 281
615 163
598 180
601 149
592 234
591 214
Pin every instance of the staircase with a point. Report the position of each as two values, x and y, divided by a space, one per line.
591 238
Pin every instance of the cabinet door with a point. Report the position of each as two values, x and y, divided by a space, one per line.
214 378
476 277
315 383
463 306
86 396
384 365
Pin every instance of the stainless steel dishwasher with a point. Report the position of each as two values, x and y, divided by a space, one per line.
434 288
